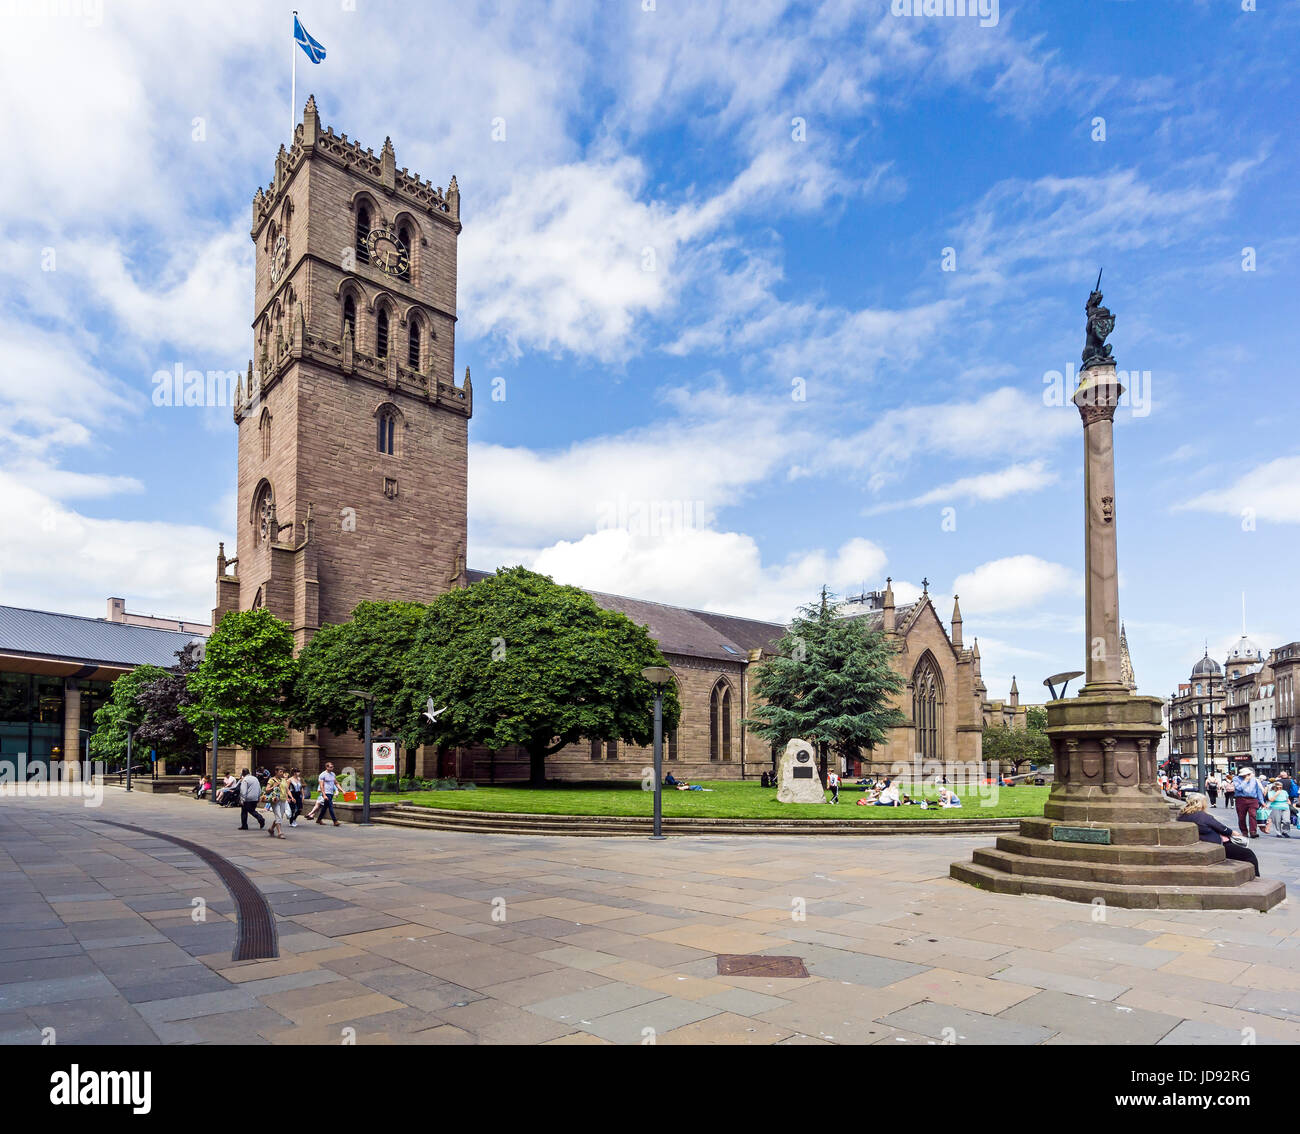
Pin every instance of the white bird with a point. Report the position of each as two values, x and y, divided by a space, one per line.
431 714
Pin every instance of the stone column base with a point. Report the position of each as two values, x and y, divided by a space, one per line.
1108 836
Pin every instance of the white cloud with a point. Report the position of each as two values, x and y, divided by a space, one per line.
1030 476
54 558
709 570
1268 492
1018 581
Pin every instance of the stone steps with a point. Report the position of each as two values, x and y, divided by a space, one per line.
1258 894
1220 873
1189 855
487 822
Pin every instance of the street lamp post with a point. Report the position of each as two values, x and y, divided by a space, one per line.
658 676
130 737
1200 749
369 699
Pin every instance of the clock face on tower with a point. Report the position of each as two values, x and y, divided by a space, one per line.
279 258
387 253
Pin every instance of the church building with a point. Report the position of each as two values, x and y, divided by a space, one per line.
352 469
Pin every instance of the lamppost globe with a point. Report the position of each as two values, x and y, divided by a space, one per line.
657 674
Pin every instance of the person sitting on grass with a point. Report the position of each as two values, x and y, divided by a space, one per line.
888 796
670 780
949 798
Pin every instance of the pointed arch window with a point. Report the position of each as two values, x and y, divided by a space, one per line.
720 722
386 440
264 428
413 346
350 320
927 707
381 334
363 235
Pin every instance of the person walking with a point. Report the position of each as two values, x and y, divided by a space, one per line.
295 797
1213 831
1212 789
1229 798
277 795
833 782
1279 805
250 795
1248 796
328 784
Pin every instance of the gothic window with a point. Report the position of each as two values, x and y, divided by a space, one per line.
670 745
404 235
264 513
258 600
363 234
720 722
927 707
350 320
611 750
595 749
264 428
381 334
387 431
413 346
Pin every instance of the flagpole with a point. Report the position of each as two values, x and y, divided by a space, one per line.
293 82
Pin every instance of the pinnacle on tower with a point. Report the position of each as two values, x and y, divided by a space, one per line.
956 623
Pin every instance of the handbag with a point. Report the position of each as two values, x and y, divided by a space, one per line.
1261 813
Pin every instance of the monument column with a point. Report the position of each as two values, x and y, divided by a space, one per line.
1107 834
1096 398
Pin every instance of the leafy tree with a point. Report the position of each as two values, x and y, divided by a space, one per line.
164 725
832 684
246 678
368 652
517 659
1015 746
108 741
1036 718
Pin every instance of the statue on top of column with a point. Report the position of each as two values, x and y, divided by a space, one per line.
1100 324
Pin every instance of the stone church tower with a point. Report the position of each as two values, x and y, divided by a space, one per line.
352 431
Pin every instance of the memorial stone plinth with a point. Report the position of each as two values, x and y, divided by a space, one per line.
797 779
1107 833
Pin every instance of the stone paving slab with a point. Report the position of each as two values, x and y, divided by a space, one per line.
389 934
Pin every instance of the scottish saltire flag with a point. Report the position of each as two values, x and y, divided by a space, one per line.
315 52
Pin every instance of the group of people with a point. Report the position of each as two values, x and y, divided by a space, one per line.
1263 807
281 793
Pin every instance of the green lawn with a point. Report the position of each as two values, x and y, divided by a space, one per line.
727 800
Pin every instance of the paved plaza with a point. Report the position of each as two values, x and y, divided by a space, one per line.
401 936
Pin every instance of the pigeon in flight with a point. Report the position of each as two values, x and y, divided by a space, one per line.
431 714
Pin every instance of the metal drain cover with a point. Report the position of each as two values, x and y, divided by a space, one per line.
753 965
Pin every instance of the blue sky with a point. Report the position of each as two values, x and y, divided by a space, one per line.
788 257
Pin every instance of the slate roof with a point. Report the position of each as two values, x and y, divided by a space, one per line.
695 633
89 640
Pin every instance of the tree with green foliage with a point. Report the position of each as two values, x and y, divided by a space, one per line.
246 678
516 659
123 708
370 652
164 726
1036 718
1004 745
833 684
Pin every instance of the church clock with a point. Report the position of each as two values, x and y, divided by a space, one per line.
387 252
279 258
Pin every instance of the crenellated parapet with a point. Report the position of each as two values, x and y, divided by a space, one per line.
310 140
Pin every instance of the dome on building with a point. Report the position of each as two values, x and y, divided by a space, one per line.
1206 667
1246 651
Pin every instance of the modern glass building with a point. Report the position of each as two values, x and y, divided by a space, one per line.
56 670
